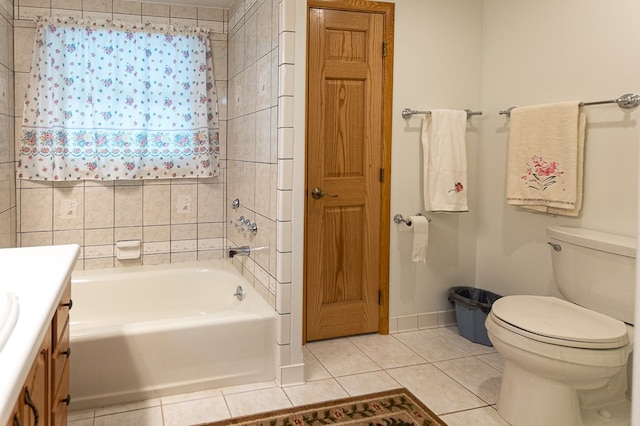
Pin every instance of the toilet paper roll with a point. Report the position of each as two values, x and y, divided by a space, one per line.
420 226
404 226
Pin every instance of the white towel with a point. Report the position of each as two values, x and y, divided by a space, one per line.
445 161
545 158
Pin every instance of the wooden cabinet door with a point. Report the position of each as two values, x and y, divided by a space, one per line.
36 394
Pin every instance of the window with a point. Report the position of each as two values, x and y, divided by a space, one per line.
111 100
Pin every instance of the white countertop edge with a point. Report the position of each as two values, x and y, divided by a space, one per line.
37 275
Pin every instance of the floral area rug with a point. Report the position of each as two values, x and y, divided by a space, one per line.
397 407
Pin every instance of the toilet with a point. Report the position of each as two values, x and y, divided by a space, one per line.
566 361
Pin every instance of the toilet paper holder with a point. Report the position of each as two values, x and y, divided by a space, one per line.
399 219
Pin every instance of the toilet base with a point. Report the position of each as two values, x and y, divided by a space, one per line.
528 399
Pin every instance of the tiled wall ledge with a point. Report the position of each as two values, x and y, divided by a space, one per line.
403 323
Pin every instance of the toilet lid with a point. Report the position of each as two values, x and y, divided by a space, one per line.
559 322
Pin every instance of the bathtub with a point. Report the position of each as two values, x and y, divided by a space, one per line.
143 332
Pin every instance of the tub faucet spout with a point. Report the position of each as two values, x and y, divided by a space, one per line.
239 251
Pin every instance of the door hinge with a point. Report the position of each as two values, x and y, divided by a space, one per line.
379 297
384 49
381 175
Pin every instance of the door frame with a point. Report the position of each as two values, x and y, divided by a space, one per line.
388 11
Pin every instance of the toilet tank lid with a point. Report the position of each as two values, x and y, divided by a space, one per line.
597 240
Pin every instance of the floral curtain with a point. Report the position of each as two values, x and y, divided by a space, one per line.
109 100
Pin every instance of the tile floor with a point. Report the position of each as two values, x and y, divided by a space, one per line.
457 379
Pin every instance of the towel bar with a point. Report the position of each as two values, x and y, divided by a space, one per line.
626 101
399 219
407 113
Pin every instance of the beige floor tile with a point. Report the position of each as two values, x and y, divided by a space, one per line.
475 375
174 399
249 387
431 346
386 351
313 369
494 359
129 406
80 414
438 391
341 357
318 391
451 334
361 384
145 417
260 401
195 412
486 416
80 422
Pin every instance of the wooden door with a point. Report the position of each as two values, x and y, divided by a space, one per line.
346 244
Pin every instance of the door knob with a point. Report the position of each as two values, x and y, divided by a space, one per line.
317 193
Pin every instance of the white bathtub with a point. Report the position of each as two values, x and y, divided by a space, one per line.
150 331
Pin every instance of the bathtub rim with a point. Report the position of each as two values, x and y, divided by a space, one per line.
224 264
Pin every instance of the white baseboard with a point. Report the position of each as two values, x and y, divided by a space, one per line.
422 321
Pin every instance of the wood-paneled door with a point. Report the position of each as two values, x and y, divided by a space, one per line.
349 78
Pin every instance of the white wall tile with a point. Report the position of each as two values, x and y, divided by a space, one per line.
286 82
285 174
285 111
283 329
128 205
286 48
283 298
285 142
284 205
284 236
68 207
99 207
184 204
287 15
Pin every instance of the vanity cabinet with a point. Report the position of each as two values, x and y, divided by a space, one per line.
44 397
61 351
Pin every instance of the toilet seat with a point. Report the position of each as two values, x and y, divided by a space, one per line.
558 322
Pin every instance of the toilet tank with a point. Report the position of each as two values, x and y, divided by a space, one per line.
595 270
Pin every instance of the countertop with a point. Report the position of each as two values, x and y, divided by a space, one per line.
37 275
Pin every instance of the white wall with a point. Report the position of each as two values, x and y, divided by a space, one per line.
437 64
547 51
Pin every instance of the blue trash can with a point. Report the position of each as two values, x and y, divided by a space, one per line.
472 307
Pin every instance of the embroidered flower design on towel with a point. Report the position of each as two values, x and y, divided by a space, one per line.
457 188
541 174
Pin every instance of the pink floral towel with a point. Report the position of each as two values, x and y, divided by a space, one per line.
544 163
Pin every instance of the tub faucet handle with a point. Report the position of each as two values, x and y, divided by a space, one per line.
240 293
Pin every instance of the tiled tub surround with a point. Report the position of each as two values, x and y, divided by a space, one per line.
260 158
252 139
176 220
